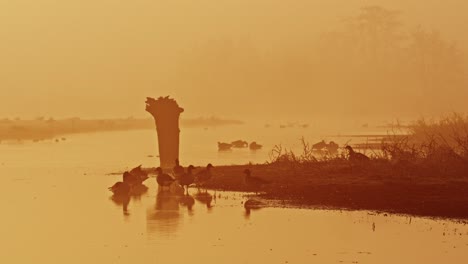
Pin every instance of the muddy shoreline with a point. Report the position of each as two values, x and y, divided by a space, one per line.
352 189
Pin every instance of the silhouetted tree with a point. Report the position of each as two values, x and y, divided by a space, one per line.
436 62
378 58
379 30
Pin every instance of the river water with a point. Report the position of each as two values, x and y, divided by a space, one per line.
55 208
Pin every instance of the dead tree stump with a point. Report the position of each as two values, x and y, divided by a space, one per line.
166 113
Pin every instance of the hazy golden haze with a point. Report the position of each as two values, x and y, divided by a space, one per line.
238 59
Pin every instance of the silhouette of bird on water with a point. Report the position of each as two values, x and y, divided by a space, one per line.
163 179
356 156
139 175
187 178
224 146
252 204
202 177
130 179
332 147
178 170
121 188
255 146
254 182
239 144
320 145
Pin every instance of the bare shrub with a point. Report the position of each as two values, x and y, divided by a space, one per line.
424 148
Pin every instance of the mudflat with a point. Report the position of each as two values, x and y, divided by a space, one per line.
376 187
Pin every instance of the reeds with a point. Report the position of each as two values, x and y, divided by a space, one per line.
437 147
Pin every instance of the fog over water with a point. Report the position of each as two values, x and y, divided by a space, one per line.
56 209
74 78
243 59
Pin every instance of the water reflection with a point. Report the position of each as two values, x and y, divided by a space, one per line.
252 205
165 215
122 200
138 190
178 220
187 201
205 198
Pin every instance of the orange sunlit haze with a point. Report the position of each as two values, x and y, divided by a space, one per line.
225 57
234 131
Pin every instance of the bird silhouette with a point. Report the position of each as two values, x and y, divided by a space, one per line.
320 145
139 175
178 170
187 178
204 176
120 189
255 146
252 204
254 182
224 146
356 157
239 144
163 179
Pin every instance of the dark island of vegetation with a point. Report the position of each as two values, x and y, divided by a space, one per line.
424 173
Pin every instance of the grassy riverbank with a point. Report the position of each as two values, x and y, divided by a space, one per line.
423 173
337 184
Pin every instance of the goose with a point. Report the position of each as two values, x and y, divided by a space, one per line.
332 147
132 178
224 146
163 179
320 145
253 182
252 204
178 170
356 156
139 175
121 188
202 177
187 178
239 144
255 146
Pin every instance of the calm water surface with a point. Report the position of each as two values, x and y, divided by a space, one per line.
56 209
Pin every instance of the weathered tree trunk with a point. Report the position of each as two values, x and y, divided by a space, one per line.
166 114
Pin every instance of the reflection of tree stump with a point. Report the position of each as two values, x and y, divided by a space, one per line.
166 114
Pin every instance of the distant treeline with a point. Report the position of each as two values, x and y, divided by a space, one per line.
371 62
42 128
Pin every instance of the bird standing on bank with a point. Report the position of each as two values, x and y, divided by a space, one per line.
187 178
356 156
202 177
178 170
253 182
163 179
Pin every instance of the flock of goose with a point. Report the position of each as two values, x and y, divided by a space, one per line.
238 144
133 180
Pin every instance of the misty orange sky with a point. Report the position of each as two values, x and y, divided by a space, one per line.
236 59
